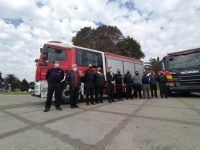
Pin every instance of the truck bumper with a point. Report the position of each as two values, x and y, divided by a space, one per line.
186 88
40 89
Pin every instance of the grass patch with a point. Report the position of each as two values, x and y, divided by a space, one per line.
15 94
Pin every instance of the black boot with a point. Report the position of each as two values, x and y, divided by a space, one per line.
46 109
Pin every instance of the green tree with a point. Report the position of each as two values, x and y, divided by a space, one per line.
85 38
109 39
154 64
13 80
130 47
31 85
24 85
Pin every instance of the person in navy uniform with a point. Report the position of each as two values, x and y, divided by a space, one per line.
118 82
153 85
128 82
99 85
89 79
73 83
54 77
111 83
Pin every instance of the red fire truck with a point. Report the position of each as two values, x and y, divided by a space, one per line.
67 55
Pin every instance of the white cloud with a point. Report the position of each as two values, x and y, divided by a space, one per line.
160 26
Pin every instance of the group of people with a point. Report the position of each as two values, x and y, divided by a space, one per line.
135 85
94 84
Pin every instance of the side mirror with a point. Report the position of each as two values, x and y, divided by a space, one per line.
44 56
36 61
40 50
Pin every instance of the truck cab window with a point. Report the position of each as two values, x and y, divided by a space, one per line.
84 57
185 61
55 54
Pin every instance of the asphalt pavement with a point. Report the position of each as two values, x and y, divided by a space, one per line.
155 124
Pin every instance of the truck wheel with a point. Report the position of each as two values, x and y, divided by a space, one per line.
65 96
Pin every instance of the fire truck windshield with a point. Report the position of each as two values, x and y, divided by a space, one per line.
184 61
55 54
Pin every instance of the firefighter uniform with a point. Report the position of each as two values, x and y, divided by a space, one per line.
90 85
118 81
128 81
54 77
99 86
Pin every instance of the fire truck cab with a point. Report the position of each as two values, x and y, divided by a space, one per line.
183 71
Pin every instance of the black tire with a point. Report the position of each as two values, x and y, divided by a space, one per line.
65 96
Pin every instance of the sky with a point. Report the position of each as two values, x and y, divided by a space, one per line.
159 26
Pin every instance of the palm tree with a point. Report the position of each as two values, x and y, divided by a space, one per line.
154 64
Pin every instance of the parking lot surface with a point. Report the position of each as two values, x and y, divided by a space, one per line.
155 124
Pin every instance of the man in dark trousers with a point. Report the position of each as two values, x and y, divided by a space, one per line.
89 79
111 83
54 77
146 86
162 80
128 82
137 84
153 85
73 85
99 85
118 82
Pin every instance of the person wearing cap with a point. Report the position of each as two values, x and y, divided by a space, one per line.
99 85
119 81
73 83
137 84
162 80
128 82
111 83
89 79
54 76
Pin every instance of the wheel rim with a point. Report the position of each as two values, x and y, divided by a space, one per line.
65 94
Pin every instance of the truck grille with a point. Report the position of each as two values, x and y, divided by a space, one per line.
187 80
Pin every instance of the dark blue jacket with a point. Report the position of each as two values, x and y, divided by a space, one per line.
54 75
152 80
118 78
99 79
162 79
145 80
110 77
